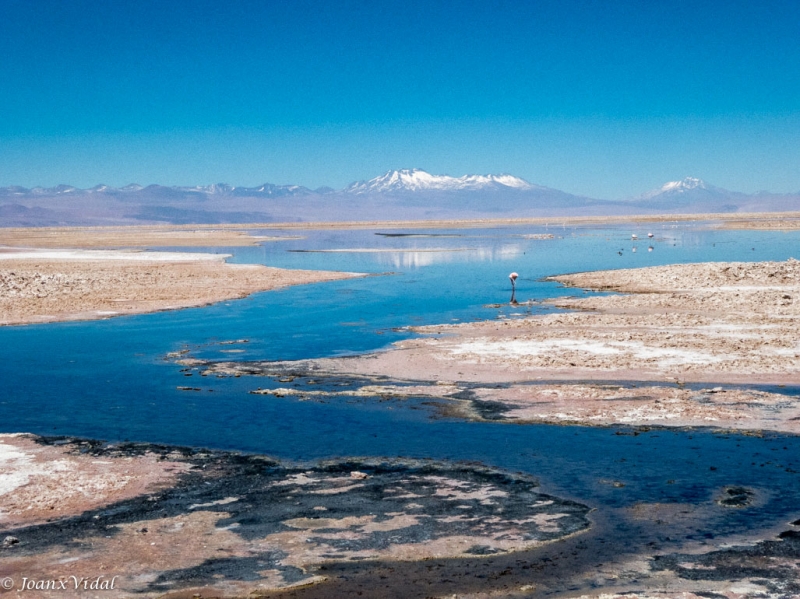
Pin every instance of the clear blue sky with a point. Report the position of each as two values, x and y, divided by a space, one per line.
604 98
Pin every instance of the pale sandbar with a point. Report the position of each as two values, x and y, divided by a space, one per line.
55 285
131 236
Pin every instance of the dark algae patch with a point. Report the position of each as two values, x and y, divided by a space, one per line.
231 568
736 497
239 522
770 564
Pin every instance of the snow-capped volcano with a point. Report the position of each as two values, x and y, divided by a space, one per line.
691 194
678 187
419 180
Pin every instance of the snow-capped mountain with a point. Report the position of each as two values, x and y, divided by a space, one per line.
57 190
691 194
419 180
685 185
270 190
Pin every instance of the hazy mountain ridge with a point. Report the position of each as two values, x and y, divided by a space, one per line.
397 194
267 190
695 195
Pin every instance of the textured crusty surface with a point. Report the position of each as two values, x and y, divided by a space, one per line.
39 483
165 519
88 284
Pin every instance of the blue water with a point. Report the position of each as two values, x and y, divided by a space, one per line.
110 379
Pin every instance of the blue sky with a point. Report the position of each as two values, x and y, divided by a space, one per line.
602 98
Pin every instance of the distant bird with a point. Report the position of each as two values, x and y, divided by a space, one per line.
513 276
650 235
620 252
650 248
634 236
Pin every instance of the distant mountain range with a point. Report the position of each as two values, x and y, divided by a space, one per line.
221 189
400 194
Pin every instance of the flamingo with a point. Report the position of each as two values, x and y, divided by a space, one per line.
513 276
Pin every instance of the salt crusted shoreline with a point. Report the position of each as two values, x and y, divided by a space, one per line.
55 285
195 522
629 359
129 236
176 522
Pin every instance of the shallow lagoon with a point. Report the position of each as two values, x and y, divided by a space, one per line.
110 380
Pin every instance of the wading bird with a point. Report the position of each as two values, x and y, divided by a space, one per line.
513 276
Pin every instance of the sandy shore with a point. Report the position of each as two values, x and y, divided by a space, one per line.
738 220
744 219
571 221
56 285
787 223
128 237
231 234
681 346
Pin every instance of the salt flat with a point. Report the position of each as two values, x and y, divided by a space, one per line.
47 285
